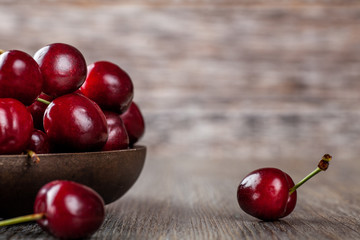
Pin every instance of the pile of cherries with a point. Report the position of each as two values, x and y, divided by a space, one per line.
53 102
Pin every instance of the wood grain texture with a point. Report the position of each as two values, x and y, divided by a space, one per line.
225 87
183 200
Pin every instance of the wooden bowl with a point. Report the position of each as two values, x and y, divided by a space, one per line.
110 173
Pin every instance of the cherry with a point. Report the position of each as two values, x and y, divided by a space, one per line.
66 209
264 193
269 193
63 67
37 110
16 126
20 77
72 210
134 123
39 142
118 137
109 86
73 122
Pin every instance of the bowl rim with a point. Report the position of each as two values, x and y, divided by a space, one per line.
24 155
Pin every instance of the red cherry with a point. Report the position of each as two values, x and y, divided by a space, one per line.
16 126
270 194
63 67
109 86
118 137
71 210
37 110
73 122
39 142
65 209
134 123
264 194
20 77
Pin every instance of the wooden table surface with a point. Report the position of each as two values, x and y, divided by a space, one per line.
196 199
226 87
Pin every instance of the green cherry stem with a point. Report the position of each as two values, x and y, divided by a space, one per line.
313 173
322 166
43 101
22 219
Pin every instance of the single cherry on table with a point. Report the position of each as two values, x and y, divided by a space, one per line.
264 194
66 210
270 194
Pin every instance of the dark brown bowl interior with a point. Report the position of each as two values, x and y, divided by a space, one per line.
110 173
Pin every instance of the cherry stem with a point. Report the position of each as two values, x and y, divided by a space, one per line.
43 101
322 166
22 219
34 157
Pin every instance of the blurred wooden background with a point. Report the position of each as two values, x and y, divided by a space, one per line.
219 79
225 87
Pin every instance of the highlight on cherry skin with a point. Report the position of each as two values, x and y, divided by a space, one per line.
66 210
270 194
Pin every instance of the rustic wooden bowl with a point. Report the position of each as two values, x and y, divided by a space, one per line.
110 173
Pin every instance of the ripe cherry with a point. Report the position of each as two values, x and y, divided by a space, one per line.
134 123
109 86
16 126
63 67
118 137
264 193
20 77
73 122
66 209
71 210
37 110
39 142
269 193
